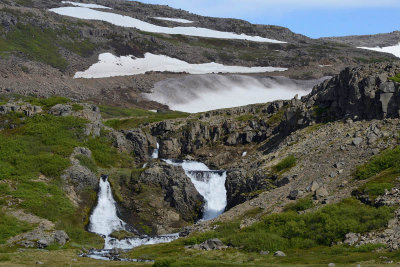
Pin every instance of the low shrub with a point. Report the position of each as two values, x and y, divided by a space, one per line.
285 164
389 159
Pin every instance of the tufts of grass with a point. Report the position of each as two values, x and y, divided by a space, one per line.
108 112
377 185
36 43
245 117
389 159
77 107
10 226
47 103
44 200
83 48
285 164
300 205
107 156
395 78
118 124
87 162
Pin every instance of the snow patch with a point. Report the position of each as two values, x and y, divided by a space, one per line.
111 66
394 50
174 20
85 5
126 21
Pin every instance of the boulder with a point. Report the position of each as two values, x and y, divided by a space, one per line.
279 254
357 141
313 187
321 193
61 110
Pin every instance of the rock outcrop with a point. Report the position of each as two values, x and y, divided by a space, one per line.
162 197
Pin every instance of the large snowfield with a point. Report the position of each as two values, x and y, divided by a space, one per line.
82 11
395 49
111 66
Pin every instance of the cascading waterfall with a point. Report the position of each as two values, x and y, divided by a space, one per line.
209 183
104 220
155 152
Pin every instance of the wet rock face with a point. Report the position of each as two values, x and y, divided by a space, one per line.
162 197
142 144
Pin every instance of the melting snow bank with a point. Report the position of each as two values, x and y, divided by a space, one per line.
395 49
83 12
174 20
104 220
210 184
110 66
200 93
85 5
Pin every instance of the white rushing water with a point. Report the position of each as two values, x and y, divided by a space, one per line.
155 152
104 220
200 93
209 183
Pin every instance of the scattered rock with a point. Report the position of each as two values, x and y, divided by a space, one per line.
357 141
321 193
211 244
264 252
279 254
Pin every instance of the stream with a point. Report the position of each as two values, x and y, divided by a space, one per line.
104 219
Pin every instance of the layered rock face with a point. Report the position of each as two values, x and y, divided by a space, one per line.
162 197
360 93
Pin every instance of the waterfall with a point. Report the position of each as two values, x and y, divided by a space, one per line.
209 183
155 152
104 220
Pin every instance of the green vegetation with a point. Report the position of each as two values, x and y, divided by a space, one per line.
122 234
396 78
305 238
77 107
285 164
108 112
107 156
389 159
43 44
83 48
276 118
10 226
47 103
37 44
40 147
45 200
87 162
147 117
290 230
376 186
245 117
300 205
